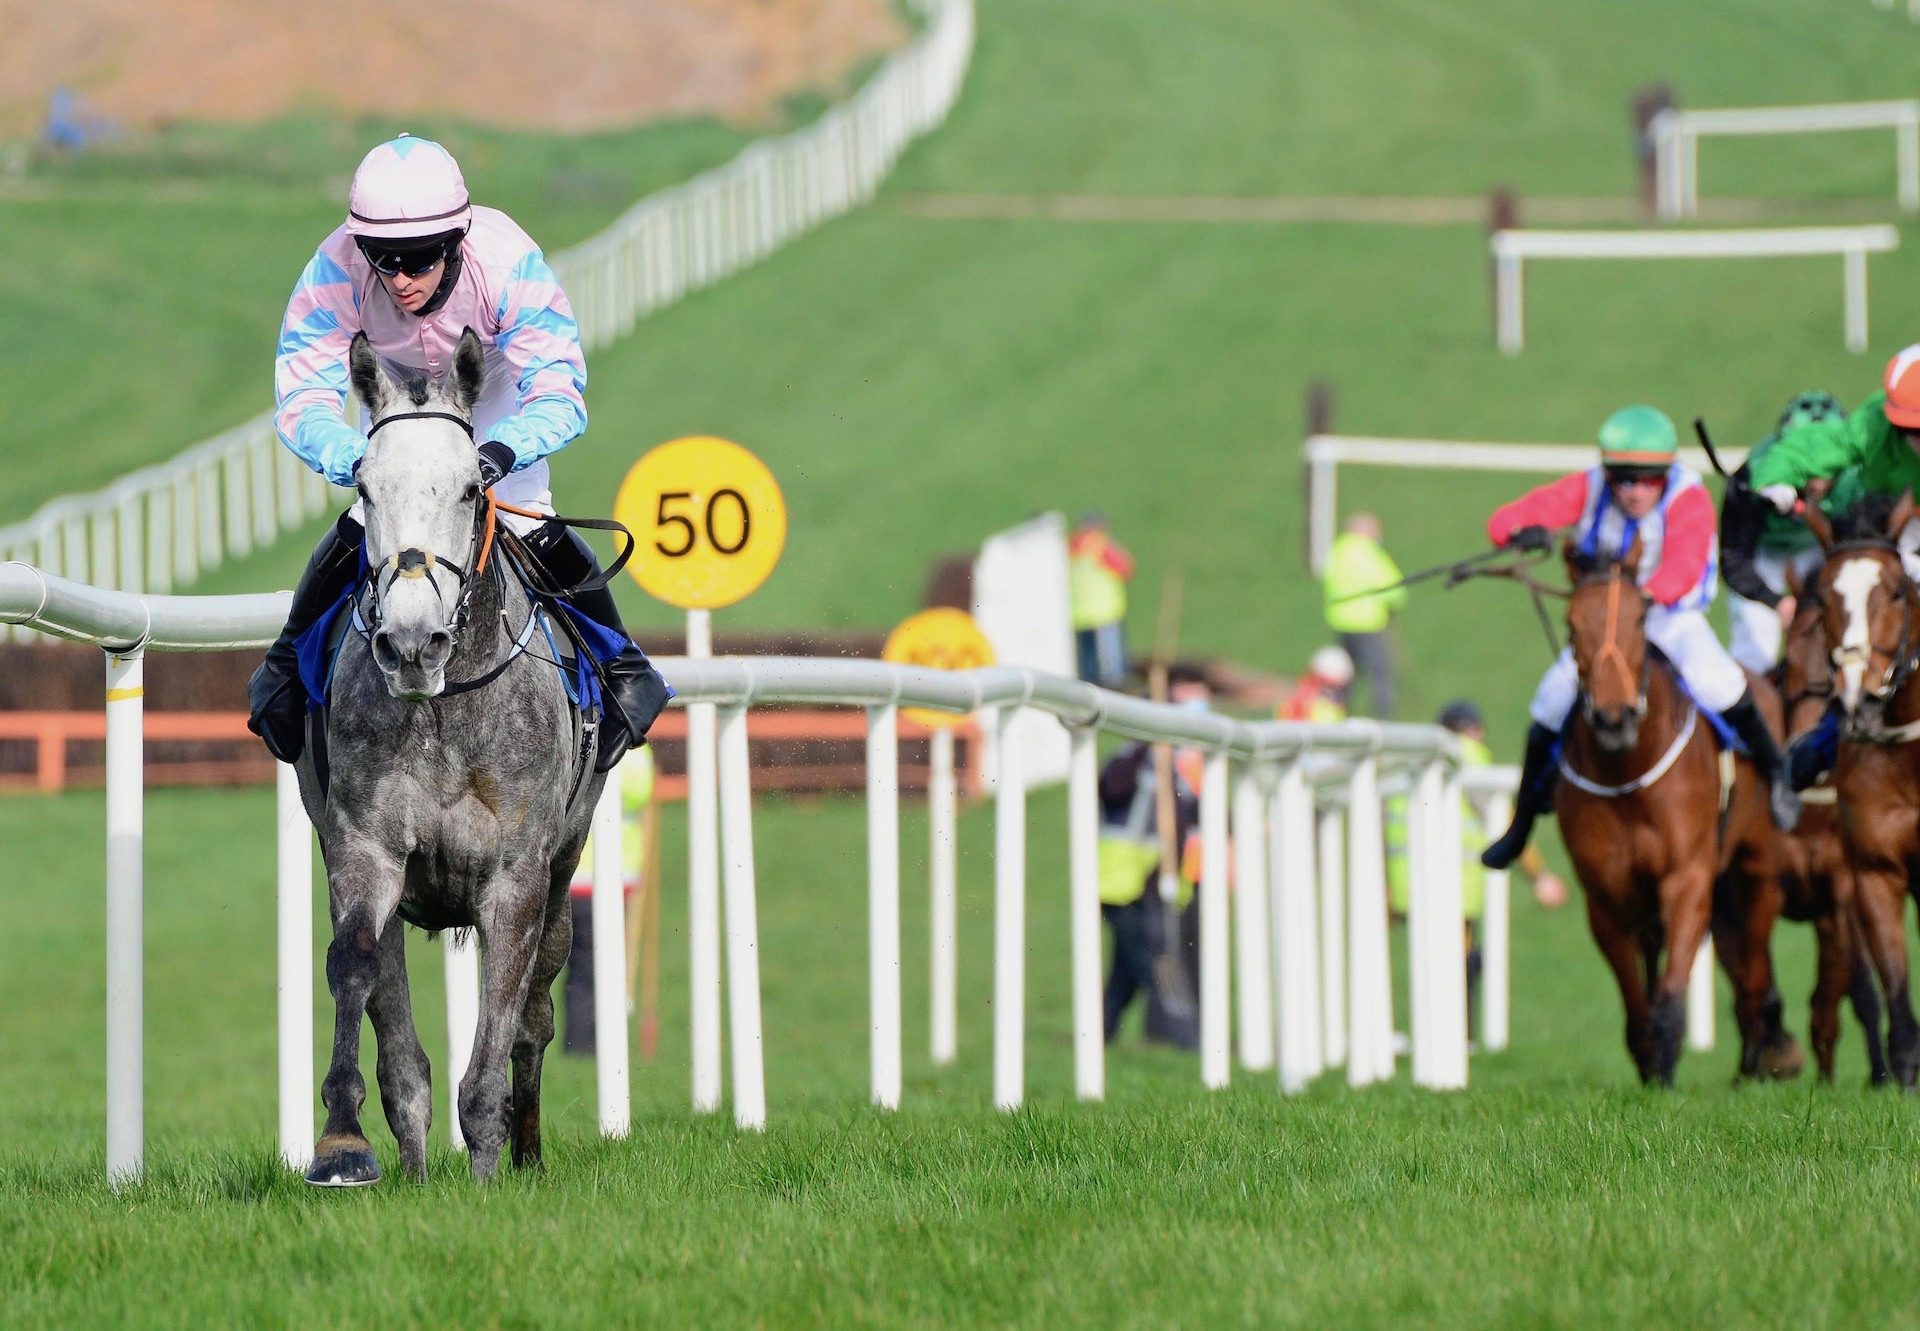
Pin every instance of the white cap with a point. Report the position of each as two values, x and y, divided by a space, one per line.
408 188
1332 664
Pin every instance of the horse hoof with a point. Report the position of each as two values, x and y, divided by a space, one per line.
343 1162
1782 1062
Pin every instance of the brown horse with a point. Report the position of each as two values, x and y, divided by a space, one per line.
1639 803
1870 620
1817 885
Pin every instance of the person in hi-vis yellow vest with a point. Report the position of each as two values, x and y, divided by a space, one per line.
635 775
1359 563
1129 869
1098 570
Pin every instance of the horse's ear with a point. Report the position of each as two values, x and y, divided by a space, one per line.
1630 561
469 370
1818 523
1902 515
364 369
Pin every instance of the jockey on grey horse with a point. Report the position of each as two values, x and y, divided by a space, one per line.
414 264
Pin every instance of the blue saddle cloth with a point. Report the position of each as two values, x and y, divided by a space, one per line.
318 648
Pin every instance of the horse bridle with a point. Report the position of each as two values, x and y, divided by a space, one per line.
1902 660
415 562
1610 649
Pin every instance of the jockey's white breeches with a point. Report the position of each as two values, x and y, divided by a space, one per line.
1688 641
1757 627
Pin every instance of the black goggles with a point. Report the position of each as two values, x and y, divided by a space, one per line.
412 261
1636 475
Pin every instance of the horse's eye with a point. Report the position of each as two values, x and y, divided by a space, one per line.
473 492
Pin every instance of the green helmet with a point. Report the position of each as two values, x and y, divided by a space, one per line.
1806 408
1638 437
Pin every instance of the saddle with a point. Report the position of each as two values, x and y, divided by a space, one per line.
575 645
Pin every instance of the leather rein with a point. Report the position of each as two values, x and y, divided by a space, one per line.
415 562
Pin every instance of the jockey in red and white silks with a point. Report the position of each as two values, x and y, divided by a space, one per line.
1678 571
1640 491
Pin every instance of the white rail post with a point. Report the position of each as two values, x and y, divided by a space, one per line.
126 959
1854 278
1369 973
608 912
1252 932
1332 865
1296 934
1216 1014
1496 940
943 866
883 901
1450 937
294 894
1700 999
1907 160
462 953
1009 917
1509 293
1083 905
1422 866
1690 170
743 925
1665 163
1323 481
703 881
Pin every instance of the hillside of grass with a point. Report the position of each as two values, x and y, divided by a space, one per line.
145 282
917 383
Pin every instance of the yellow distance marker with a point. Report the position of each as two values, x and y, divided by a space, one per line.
943 639
708 520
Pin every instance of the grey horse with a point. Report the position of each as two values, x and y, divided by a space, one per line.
439 807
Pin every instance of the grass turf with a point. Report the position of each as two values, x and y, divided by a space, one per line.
1554 1191
915 383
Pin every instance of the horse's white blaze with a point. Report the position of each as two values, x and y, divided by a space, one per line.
415 472
1855 582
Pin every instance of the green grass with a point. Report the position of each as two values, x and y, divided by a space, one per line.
1553 1191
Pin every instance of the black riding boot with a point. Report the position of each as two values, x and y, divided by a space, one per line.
276 699
1534 798
1782 799
635 693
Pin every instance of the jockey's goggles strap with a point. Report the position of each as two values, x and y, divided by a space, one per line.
384 421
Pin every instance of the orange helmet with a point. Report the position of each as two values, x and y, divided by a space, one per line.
1903 388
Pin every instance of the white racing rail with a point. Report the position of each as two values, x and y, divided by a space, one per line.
1676 142
161 527
1326 453
1294 808
1512 248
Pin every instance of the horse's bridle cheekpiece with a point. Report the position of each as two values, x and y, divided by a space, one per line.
417 563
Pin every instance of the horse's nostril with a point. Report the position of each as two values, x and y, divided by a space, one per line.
439 647
384 654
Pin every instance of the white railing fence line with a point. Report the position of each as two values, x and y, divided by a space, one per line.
161 527
1293 779
1512 248
1676 136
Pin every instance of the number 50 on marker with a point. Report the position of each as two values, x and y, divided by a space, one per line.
708 522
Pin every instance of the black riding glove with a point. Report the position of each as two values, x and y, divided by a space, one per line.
1531 538
496 460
